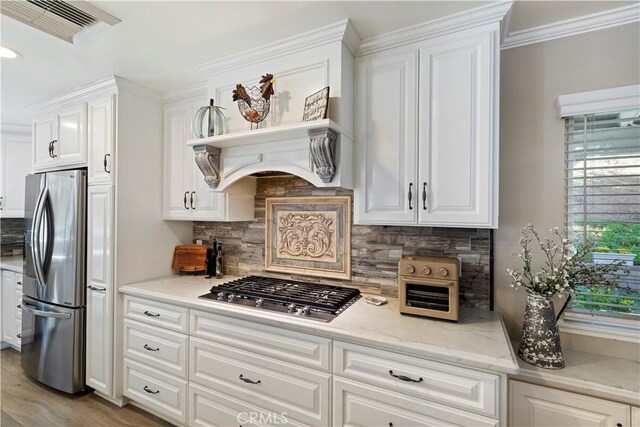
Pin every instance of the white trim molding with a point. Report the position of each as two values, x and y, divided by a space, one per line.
449 24
599 101
180 94
574 26
340 31
600 326
15 128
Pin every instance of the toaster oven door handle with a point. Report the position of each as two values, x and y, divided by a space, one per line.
405 378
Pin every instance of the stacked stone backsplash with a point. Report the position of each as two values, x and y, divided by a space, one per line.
375 250
11 236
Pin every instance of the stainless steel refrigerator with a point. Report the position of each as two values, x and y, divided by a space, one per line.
53 305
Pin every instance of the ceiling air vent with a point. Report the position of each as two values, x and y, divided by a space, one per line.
69 21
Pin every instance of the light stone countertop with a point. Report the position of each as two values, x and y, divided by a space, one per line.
590 374
11 263
478 340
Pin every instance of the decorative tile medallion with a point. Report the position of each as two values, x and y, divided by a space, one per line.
309 235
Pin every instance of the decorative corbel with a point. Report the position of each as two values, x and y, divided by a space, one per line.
208 160
323 152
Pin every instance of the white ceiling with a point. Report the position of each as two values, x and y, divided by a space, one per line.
159 43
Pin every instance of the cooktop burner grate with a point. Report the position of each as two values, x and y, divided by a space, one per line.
320 302
290 291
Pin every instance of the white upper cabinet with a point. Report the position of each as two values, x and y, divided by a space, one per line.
15 164
457 152
186 195
426 132
386 129
60 138
100 135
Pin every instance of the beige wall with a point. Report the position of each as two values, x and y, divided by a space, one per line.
531 139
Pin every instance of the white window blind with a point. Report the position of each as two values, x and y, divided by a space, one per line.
602 162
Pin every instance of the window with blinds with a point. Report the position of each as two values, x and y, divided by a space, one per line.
602 161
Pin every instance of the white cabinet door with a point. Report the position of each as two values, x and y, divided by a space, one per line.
457 161
536 406
208 204
178 161
100 287
99 340
70 146
100 136
386 140
15 164
635 416
43 133
9 307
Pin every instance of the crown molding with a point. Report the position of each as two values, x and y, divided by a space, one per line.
186 92
15 128
574 26
341 31
110 84
603 100
449 24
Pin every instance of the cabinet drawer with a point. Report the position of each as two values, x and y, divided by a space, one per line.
156 348
268 383
157 313
357 404
464 388
18 303
295 347
165 394
208 408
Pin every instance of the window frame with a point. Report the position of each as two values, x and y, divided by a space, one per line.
591 102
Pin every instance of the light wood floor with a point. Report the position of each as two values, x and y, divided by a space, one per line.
27 403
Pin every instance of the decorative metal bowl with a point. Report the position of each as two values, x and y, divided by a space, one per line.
259 108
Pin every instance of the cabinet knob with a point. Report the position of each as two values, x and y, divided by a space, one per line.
411 269
443 272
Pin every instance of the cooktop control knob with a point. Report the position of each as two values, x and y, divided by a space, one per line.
443 272
411 269
426 270
221 296
305 311
231 297
259 302
291 308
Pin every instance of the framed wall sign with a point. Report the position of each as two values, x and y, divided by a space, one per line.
315 106
309 235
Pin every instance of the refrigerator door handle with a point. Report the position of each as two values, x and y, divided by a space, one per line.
49 232
35 237
43 313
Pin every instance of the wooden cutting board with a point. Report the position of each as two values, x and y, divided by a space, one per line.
189 258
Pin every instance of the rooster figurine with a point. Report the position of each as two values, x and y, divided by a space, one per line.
253 102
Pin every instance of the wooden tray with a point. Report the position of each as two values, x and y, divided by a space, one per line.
189 258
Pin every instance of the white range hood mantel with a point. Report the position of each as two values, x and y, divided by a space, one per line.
311 150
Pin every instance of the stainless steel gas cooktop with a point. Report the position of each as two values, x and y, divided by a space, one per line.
308 300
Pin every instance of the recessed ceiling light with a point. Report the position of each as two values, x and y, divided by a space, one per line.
5 52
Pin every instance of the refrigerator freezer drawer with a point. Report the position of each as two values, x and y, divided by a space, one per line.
53 344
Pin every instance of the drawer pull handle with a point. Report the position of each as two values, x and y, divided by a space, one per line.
19 335
19 306
148 390
248 381
148 313
18 283
618 425
390 424
146 347
405 378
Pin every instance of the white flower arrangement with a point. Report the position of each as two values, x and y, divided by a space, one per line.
565 266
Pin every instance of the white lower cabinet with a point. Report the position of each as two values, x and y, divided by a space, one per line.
537 406
99 361
164 394
359 404
277 386
232 372
11 308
